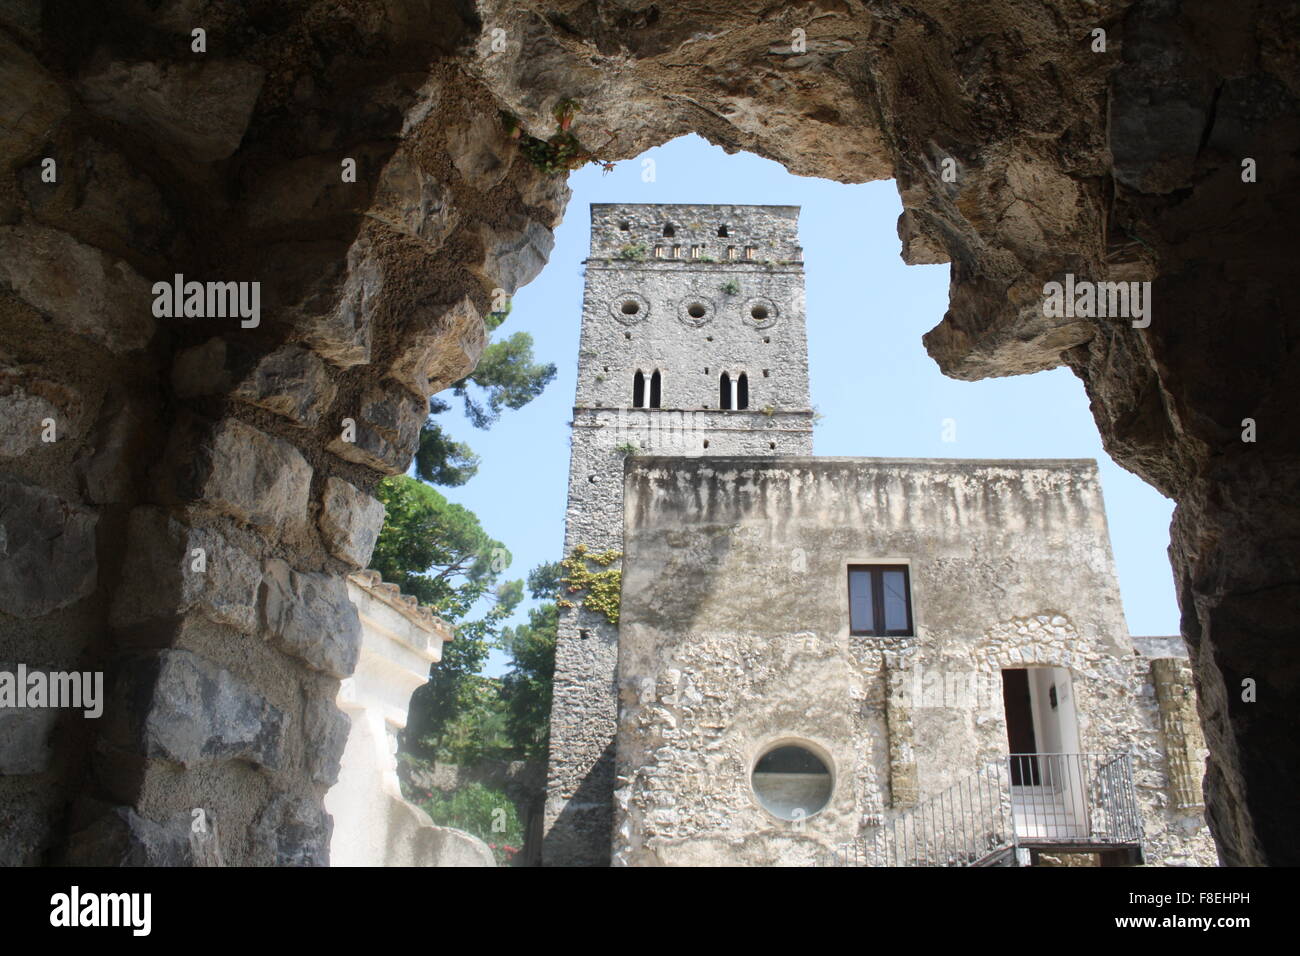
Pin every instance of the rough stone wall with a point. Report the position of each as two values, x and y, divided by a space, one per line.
179 434
690 354
1125 163
1115 164
735 636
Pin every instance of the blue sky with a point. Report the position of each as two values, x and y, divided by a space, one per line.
878 390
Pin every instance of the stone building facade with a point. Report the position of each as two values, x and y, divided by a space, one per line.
687 293
736 639
734 644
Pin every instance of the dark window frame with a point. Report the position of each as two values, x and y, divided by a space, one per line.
878 628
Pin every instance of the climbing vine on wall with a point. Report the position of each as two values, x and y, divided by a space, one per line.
603 587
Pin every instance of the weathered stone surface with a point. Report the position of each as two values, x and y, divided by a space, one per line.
171 568
413 202
293 831
31 104
309 616
179 707
47 550
343 335
107 466
203 107
25 738
387 429
350 521
255 478
101 197
82 289
292 382
326 728
22 420
122 837
441 345
514 253
481 150
24 836
1016 97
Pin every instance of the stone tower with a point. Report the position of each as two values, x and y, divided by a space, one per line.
693 344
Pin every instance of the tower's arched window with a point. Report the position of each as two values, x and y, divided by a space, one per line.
724 391
742 391
669 230
654 389
638 390
722 231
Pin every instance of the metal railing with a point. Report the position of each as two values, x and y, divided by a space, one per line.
1040 800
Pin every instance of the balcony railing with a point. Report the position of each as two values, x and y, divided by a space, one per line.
1064 801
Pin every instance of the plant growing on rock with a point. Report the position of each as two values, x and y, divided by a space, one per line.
731 287
603 587
562 151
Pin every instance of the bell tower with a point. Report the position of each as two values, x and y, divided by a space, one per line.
693 344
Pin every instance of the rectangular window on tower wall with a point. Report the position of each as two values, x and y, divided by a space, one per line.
880 600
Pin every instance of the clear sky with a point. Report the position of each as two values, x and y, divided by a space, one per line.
878 390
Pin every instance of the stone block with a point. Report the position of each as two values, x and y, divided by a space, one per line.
25 738
255 478
201 106
480 149
440 345
82 289
122 837
309 616
413 202
106 466
47 550
22 417
350 521
32 103
179 707
514 253
325 729
291 382
387 430
163 576
293 831
343 335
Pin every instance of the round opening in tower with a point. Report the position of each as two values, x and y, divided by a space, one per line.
759 312
791 782
631 307
695 310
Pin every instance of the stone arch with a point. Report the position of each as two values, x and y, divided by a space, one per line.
1015 168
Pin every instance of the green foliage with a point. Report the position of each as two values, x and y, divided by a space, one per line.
634 252
438 552
527 689
603 587
628 448
507 376
560 152
731 287
478 810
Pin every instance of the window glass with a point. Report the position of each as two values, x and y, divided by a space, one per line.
895 597
860 603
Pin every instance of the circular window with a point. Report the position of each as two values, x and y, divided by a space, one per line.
791 782
695 310
629 308
760 313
